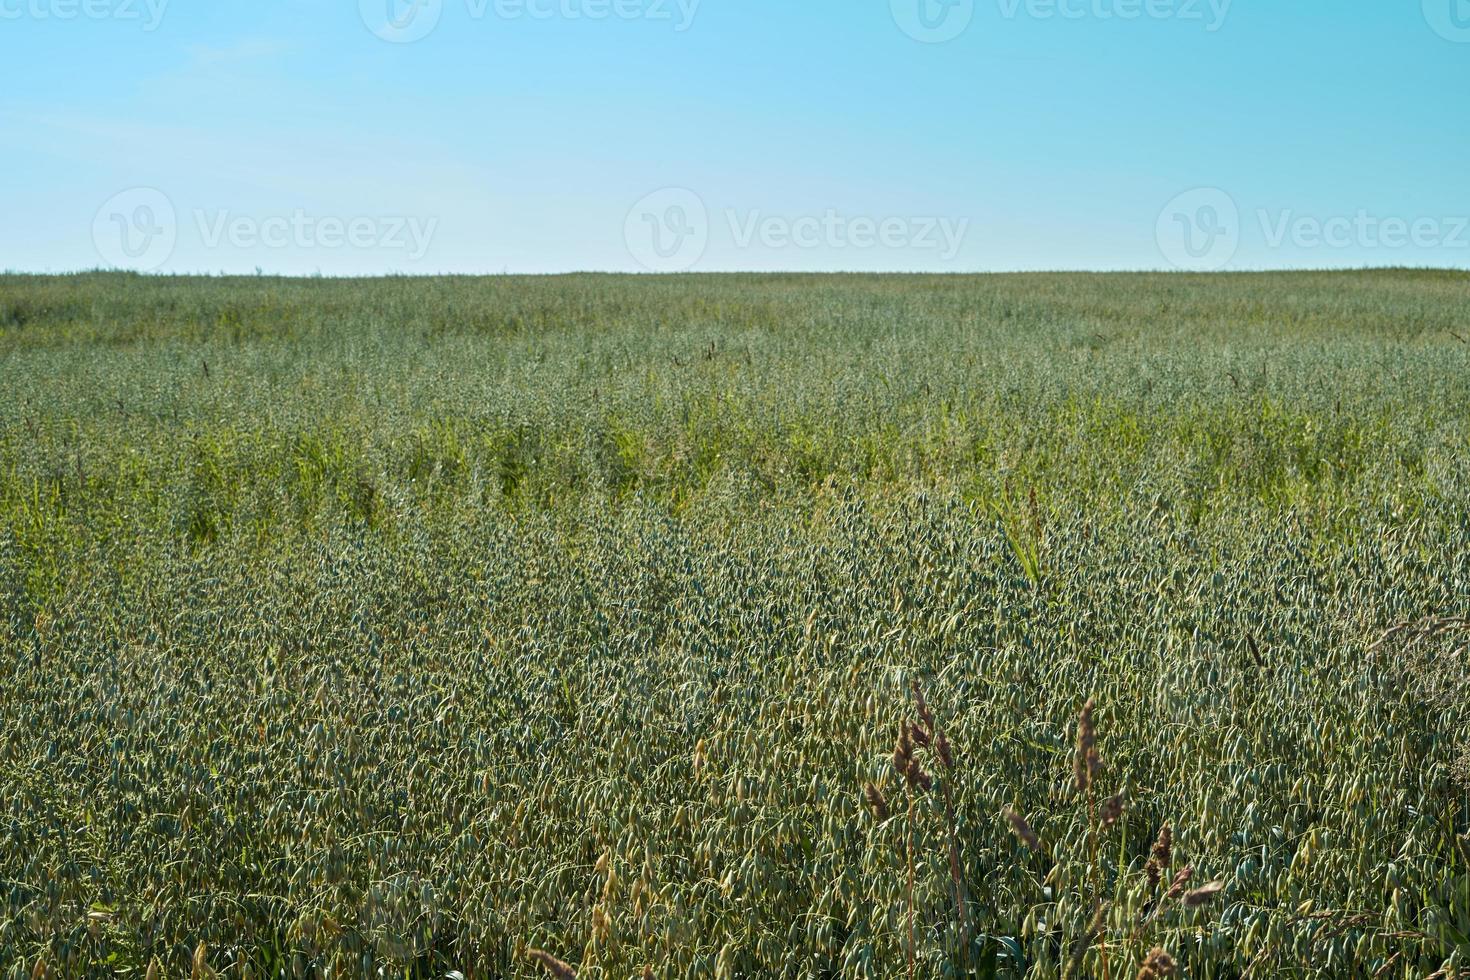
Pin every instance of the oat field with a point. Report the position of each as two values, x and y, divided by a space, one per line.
409 627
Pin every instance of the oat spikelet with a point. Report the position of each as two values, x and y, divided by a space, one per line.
876 802
553 966
41 972
1022 829
1158 965
1088 762
1203 895
201 962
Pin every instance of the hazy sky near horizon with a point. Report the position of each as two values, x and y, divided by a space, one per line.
377 136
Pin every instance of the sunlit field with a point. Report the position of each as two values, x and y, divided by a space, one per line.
406 626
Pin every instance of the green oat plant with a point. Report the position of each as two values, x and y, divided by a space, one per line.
400 627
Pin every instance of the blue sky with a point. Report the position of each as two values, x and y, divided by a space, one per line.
306 136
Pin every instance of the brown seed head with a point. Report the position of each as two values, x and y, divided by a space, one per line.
876 802
922 706
920 735
1163 851
1176 888
553 966
1022 829
1157 965
1112 810
917 777
903 750
1203 895
946 755
1087 762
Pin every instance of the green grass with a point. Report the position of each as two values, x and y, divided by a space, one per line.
404 625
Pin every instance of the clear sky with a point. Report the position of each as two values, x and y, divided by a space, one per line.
347 137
